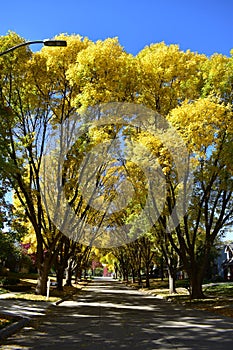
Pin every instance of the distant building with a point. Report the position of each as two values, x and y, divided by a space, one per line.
227 264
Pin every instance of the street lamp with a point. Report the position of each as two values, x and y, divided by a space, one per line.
46 42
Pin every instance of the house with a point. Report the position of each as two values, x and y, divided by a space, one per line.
227 264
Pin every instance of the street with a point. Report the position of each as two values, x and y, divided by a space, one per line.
108 315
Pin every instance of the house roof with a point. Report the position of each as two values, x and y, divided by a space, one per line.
229 247
229 261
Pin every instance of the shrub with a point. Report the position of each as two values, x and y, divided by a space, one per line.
99 272
9 281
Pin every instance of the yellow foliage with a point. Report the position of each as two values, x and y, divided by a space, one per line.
49 85
104 72
218 76
201 123
168 75
59 60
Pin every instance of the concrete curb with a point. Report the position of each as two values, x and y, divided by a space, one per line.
64 299
21 321
14 327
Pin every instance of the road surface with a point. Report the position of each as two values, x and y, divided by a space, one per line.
107 315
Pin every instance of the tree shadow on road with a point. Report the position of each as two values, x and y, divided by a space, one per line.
111 316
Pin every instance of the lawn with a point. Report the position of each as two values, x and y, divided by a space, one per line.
219 296
2 290
25 289
219 289
219 299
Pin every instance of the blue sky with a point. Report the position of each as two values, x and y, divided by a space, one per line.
205 26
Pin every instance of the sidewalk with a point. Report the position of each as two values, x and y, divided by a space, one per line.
23 310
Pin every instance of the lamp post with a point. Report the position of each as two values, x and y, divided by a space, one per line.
45 42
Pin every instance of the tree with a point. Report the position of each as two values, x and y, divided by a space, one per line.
44 91
166 251
148 253
134 252
11 230
35 91
207 127
71 255
123 265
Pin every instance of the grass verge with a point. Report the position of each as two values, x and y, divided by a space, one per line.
218 296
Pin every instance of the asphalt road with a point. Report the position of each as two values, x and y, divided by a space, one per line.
107 315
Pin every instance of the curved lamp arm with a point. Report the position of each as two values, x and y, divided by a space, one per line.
46 42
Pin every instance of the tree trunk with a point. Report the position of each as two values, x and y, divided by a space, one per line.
133 275
196 271
78 273
139 278
172 268
126 275
43 271
116 270
172 280
196 291
69 271
60 274
147 277
161 269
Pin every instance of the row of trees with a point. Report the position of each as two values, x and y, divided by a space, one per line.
41 91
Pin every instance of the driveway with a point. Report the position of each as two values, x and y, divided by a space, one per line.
107 315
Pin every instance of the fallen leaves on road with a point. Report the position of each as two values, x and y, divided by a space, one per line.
6 320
